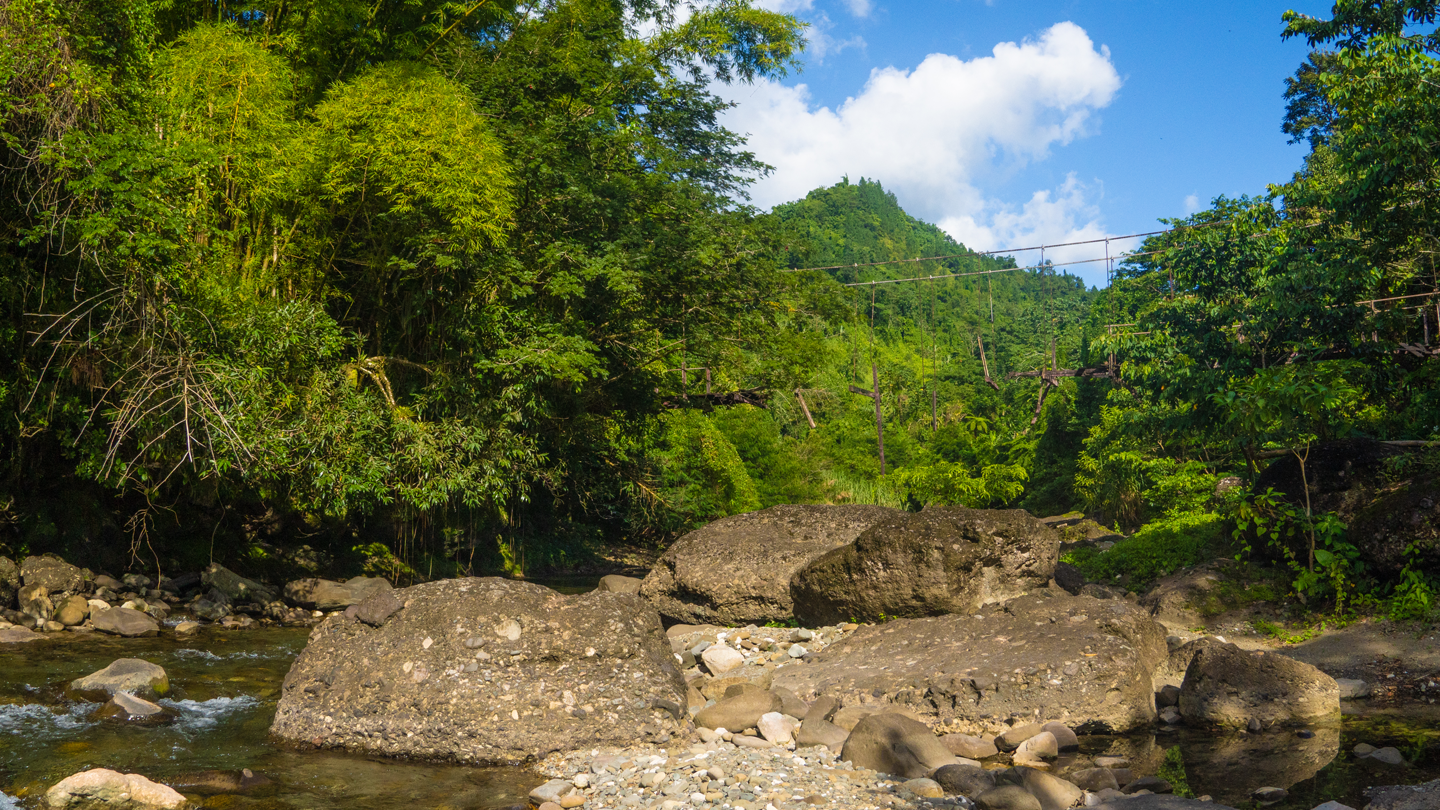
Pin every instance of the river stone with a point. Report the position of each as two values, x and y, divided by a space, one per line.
210 783
739 712
721 658
1157 801
18 635
936 561
127 622
1388 756
1007 797
790 703
1037 749
52 573
1227 686
618 583
328 595
819 731
964 780
1094 779
9 581
74 610
969 672
235 587
737 570
1229 766
1011 738
1353 689
133 675
895 744
776 727
1404 797
126 708
1052 792
968 746
408 688
111 790
35 602
924 788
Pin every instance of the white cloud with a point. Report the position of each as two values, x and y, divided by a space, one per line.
1192 203
860 8
786 6
937 134
819 43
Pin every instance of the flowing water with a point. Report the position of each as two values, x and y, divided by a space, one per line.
225 684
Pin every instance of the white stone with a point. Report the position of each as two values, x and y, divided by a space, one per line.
102 787
720 659
97 605
776 728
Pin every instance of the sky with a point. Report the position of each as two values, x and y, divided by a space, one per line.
1012 123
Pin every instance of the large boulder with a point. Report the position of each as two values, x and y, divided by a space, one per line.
133 675
737 570
740 711
100 788
327 595
485 671
18 635
52 573
1083 661
1227 686
895 744
619 583
927 563
123 621
235 587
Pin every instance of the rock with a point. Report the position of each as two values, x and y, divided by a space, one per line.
1007 797
210 783
1332 805
187 628
35 602
745 741
849 716
1101 797
1069 577
617 583
1052 792
1228 766
1169 695
964 780
1157 801
924 788
1011 738
1154 784
1353 689
791 704
1171 716
1388 756
208 610
1065 739
823 707
1269 795
1227 686
1363 750
378 607
1037 749
9 580
125 622
927 563
1176 600
126 708
52 574
557 673
797 651
739 712
819 731
895 744
18 635
738 570
136 582
1404 797
53 626
1094 779
748 677
327 595
779 729
103 788
107 581
1101 653
132 675
552 791
74 610
720 659
969 747
236 588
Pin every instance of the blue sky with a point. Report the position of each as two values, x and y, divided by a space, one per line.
1010 122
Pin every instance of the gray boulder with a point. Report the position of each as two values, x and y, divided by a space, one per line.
327 595
235 587
819 731
618 583
739 711
52 573
126 622
895 744
1230 687
928 563
485 671
737 570
1082 661
133 675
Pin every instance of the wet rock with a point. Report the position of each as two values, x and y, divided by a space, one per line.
819 731
1404 797
1228 766
132 675
52 574
618 583
182 584
928 563
1228 687
53 626
1078 660
968 746
187 628
1387 756
236 588
740 711
104 788
557 672
125 622
738 570
964 780
136 582
1333 806
895 744
74 610
211 783
1007 797
18 635
126 708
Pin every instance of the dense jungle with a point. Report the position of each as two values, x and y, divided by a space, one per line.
426 287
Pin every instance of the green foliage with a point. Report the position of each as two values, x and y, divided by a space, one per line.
1156 550
949 483
1172 770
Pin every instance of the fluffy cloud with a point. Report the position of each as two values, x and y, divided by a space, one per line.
939 134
